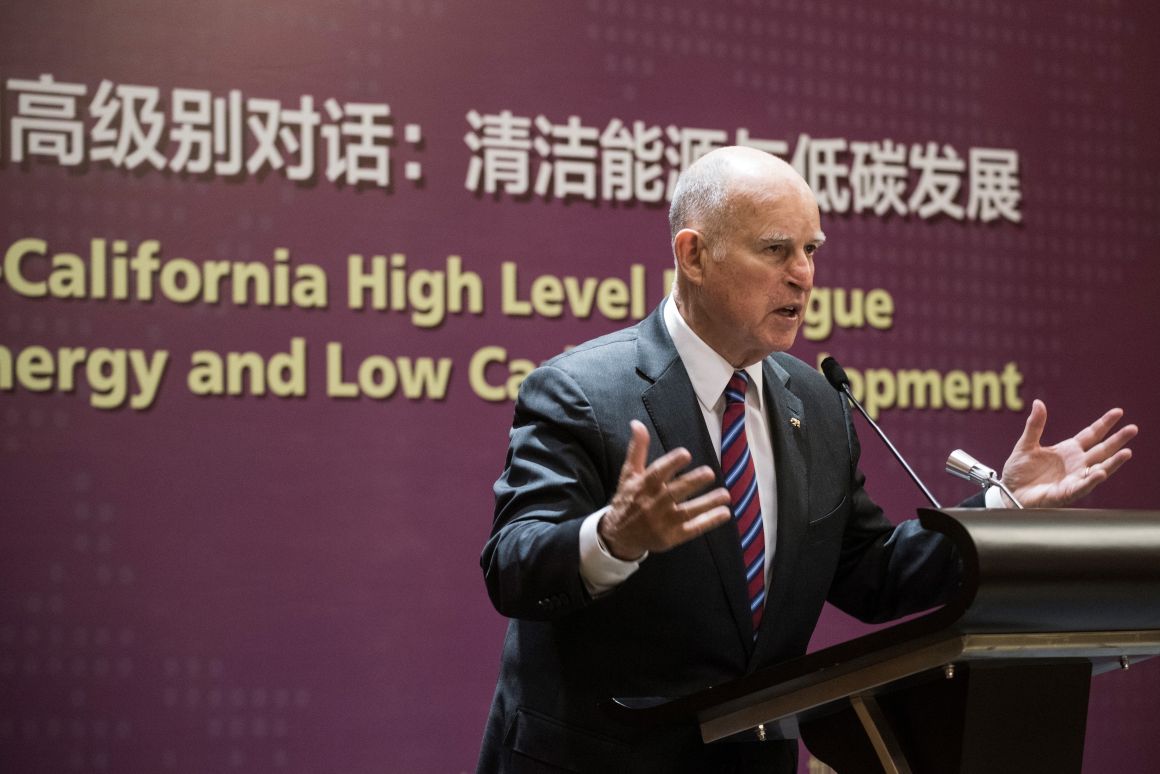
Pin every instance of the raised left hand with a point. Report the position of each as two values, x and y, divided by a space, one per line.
1056 476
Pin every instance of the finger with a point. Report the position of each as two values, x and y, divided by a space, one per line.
1092 434
1110 446
1033 429
703 503
687 484
637 454
663 468
1085 484
1081 484
1112 464
703 523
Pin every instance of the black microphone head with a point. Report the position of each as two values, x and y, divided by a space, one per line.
835 374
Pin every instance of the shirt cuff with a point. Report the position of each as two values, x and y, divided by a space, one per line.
599 569
994 498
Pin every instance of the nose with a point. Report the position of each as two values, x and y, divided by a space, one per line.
800 272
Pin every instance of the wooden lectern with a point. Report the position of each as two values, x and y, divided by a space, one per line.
997 681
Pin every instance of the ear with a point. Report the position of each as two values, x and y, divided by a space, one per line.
691 252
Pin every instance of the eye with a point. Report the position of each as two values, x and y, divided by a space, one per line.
811 249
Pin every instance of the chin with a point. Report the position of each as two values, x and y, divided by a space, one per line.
782 343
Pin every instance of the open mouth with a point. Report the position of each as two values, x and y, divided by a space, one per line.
790 310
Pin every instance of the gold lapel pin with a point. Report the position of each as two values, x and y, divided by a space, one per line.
795 422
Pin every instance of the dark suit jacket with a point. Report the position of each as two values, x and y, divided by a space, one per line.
681 622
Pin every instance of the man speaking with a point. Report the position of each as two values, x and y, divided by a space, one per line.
681 497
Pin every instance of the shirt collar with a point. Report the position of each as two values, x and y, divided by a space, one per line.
708 371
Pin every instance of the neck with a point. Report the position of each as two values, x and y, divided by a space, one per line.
693 315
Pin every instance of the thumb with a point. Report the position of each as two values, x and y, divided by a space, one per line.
637 454
1033 430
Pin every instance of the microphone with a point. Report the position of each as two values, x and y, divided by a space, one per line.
836 375
963 465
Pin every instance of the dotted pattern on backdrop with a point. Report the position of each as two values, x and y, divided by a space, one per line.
71 673
76 671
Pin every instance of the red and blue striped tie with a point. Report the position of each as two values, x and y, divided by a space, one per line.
741 481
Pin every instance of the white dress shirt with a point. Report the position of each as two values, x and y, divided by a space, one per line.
709 374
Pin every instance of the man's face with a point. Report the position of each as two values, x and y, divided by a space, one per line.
756 283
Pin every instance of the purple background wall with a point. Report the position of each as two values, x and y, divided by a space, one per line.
291 584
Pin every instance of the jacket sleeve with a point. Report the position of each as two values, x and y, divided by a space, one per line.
550 482
886 571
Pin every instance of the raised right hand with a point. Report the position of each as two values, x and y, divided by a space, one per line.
654 509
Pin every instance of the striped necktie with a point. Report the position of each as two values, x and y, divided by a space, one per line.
741 481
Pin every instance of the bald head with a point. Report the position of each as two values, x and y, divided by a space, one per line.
705 191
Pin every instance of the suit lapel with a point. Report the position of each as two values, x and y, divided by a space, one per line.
672 406
787 426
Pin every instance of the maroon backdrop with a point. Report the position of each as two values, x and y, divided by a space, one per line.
282 577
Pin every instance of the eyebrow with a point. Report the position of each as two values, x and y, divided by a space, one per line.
819 238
